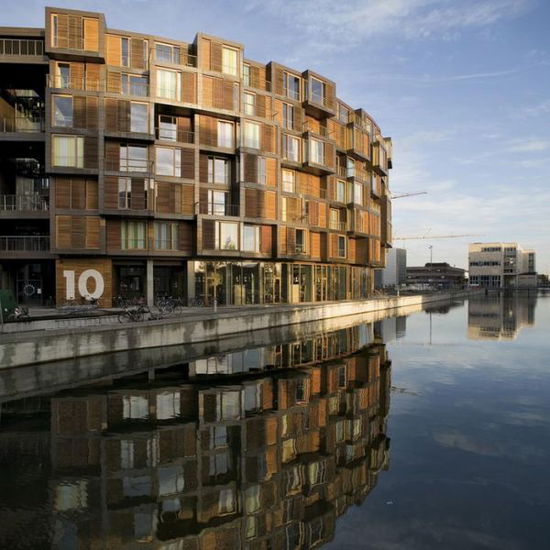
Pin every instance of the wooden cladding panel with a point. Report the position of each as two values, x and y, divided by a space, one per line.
174 198
330 155
315 245
110 192
90 152
85 112
113 50
268 139
112 155
330 95
91 34
138 53
271 172
352 250
78 266
208 235
76 193
260 204
113 235
80 232
257 77
188 163
277 80
189 87
266 239
250 166
219 93
208 131
186 240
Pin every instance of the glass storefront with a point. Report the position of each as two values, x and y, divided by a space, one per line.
243 283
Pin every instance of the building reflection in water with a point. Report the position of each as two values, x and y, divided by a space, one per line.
500 316
265 459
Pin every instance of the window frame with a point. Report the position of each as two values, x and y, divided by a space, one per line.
252 141
249 107
302 248
175 161
262 170
132 121
175 53
55 123
218 235
176 95
78 153
125 234
292 139
256 238
284 182
214 161
125 56
221 142
317 151
235 51
172 235
339 250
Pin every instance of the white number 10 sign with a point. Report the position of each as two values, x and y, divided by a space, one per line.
83 280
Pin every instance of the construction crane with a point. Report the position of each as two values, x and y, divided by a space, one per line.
408 195
436 237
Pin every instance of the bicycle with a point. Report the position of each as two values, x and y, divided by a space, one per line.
195 302
135 315
18 314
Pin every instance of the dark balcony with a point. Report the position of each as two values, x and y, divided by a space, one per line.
25 47
169 133
22 114
133 166
24 245
20 205
218 209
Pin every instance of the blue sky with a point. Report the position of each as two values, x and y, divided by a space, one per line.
462 87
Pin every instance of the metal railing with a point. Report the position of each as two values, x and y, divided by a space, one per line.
337 225
73 83
135 165
175 134
321 100
174 55
13 203
21 46
34 243
219 209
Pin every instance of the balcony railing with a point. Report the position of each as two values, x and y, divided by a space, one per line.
175 134
337 225
21 46
13 203
73 83
18 243
22 124
174 55
131 165
219 209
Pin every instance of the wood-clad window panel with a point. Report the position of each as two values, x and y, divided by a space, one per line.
138 49
113 50
91 34
189 87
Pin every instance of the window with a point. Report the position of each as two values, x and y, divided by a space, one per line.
246 74
341 246
132 235
300 393
55 30
63 111
218 437
168 84
139 117
166 236
249 104
334 218
350 167
125 52
252 135
316 151
291 86
168 161
343 114
262 174
251 238
132 84
292 148
229 61
167 53
133 158
316 473
341 191
288 116
68 151
300 241
227 236
218 170
63 79
289 181
168 129
225 134
124 193
226 501
358 193
217 203
317 93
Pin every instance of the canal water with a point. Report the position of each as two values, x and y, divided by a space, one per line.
426 431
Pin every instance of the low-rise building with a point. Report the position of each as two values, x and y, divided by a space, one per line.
436 275
501 265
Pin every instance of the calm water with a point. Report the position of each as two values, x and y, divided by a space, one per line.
430 431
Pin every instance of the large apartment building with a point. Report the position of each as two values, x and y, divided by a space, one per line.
138 166
501 265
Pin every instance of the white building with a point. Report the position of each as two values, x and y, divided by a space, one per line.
501 265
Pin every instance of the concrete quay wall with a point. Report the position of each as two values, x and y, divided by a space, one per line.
29 348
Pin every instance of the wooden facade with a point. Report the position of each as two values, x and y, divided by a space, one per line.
196 135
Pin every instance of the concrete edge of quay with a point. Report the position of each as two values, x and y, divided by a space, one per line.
28 348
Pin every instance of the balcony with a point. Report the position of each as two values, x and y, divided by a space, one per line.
337 225
319 101
27 47
218 209
174 55
28 245
174 134
134 166
25 203
73 82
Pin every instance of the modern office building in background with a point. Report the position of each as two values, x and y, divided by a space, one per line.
395 272
501 265
437 275
134 165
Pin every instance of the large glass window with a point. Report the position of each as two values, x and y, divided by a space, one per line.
358 193
227 236
68 151
262 174
246 74
166 235
317 91
341 247
229 61
252 135
292 86
132 84
63 110
168 84
217 202
132 235
251 238
341 191
218 170
124 193
125 52
289 181
292 148
139 117
249 104
225 134
168 129
288 116
300 241
168 161
63 76
167 53
133 158
316 151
